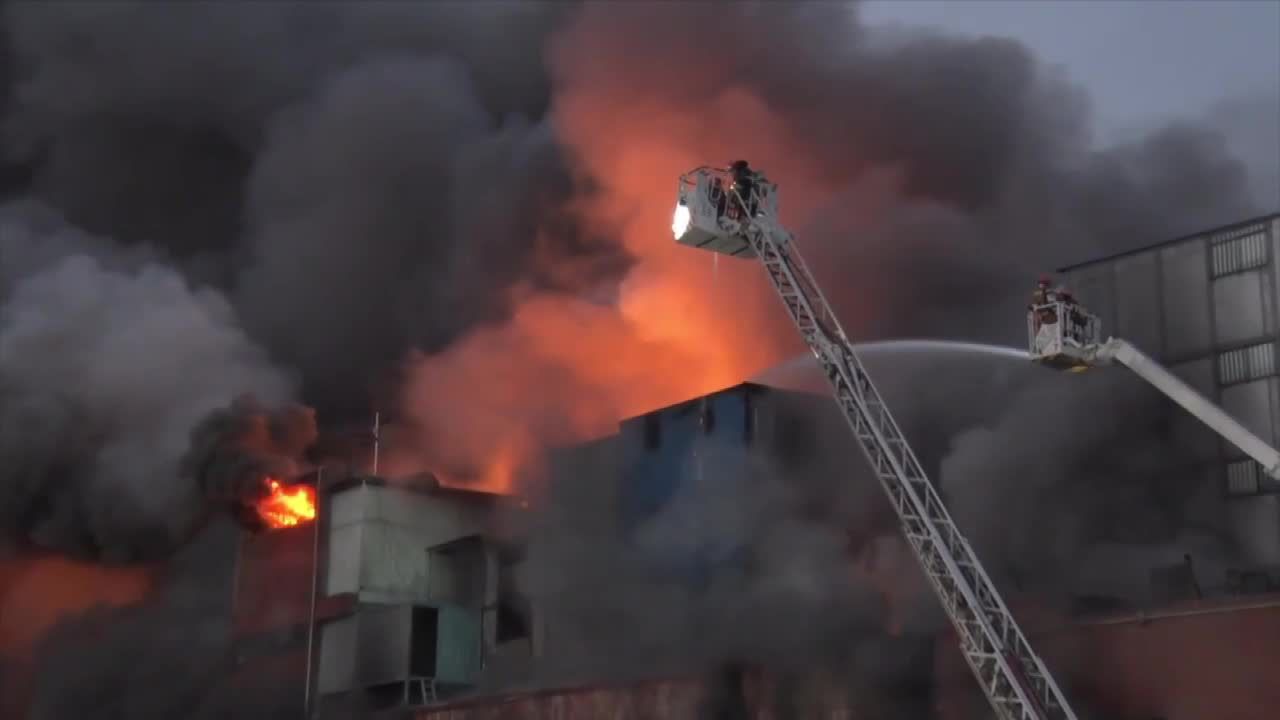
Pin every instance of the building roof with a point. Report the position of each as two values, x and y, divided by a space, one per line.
424 483
1166 243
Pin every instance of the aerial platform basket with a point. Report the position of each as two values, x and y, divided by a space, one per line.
1063 335
712 216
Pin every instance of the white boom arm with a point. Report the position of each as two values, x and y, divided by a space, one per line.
1012 676
1118 350
1065 335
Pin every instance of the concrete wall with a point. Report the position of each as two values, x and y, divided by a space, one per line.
381 535
272 584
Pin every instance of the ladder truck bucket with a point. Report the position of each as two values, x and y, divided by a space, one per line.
710 215
1062 335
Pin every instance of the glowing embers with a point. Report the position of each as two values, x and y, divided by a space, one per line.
285 506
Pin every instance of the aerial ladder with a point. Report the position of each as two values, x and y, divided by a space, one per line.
736 213
1066 336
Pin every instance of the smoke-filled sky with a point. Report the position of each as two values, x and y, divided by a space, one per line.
459 212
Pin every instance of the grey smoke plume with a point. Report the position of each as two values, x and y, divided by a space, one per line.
751 562
105 369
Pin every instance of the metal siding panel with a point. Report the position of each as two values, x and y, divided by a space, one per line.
1238 308
1257 530
458 645
1187 327
1137 303
651 476
1187 430
667 489
342 572
382 644
1199 375
336 671
1250 404
1095 288
1267 302
1273 241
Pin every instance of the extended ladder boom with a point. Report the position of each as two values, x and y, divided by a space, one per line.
1013 678
1120 351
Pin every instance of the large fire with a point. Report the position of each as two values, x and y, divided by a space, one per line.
286 507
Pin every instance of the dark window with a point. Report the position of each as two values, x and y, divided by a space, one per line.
422 642
512 623
708 417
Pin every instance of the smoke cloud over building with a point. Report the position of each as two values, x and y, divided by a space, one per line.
458 211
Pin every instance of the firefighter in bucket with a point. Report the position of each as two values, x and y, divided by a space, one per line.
1043 299
744 184
1056 319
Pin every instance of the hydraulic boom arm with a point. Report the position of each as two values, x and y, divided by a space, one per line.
1014 679
1066 335
1118 350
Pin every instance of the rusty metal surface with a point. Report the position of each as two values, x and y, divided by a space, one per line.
1200 661
671 699
761 696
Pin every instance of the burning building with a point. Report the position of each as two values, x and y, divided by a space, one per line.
406 594
417 585
395 594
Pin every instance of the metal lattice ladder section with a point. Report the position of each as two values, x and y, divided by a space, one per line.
1012 676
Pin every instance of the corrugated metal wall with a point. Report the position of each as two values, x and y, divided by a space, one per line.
696 450
1213 298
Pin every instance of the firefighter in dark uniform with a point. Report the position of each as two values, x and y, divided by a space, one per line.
719 198
1042 299
1075 318
744 184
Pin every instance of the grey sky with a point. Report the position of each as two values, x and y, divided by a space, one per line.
1143 62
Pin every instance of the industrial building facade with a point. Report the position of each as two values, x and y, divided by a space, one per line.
1207 307
400 596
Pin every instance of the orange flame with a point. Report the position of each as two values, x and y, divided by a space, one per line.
287 506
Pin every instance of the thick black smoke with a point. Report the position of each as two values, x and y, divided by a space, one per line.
343 171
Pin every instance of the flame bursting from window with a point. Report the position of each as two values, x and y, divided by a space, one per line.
286 507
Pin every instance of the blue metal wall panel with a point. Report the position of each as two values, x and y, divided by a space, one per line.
686 453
